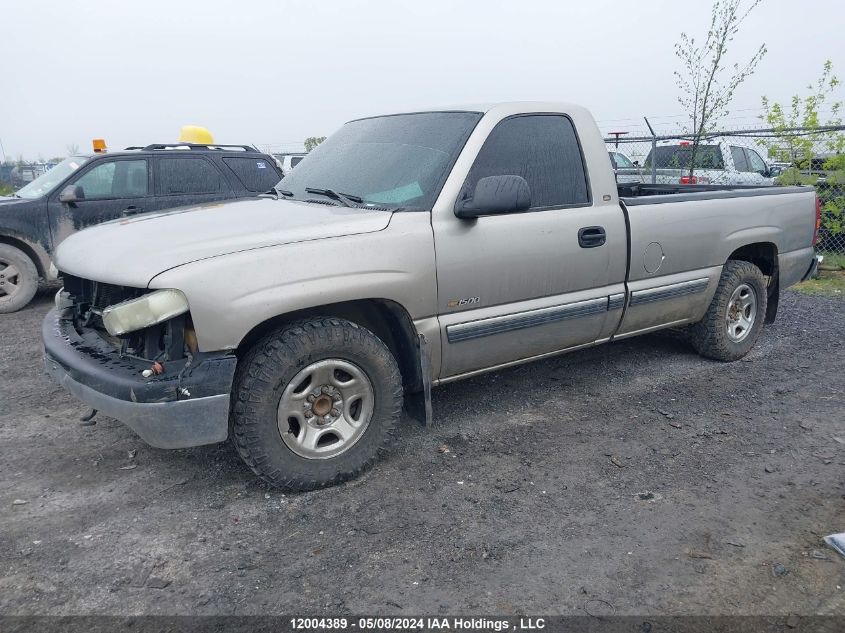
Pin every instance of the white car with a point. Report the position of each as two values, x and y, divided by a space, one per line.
289 160
717 162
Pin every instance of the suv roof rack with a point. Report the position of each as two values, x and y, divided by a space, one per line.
195 146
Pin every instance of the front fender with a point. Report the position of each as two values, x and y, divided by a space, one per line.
25 225
232 294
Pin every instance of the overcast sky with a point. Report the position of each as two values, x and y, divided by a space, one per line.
274 72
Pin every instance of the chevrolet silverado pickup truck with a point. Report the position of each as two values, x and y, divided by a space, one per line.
405 252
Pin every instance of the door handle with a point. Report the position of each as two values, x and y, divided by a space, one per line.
591 236
131 210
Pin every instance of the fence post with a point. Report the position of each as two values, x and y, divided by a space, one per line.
653 152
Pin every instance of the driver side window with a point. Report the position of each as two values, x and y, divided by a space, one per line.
542 149
115 179
97 183
755 163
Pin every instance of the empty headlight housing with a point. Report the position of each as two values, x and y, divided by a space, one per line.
147 310
62 300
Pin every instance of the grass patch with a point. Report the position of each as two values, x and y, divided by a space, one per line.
828 284
833 261
6 190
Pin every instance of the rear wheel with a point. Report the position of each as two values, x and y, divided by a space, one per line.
18 279
315 403
736 314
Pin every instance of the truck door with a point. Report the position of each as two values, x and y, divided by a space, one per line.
757 166
111 188
749 166
517 286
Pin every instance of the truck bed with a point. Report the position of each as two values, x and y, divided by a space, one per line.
633 193
679 232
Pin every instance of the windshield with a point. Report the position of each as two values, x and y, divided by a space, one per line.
46 182
392 161
678 157
620 161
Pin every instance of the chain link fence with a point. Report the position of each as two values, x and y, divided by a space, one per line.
755 157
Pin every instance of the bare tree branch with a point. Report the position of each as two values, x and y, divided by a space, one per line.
707 85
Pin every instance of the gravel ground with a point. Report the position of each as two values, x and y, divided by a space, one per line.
634 478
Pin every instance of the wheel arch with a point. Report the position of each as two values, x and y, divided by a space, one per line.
39 258
385 318
764 255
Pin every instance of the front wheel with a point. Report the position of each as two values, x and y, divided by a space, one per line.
18 279
315 403
736 314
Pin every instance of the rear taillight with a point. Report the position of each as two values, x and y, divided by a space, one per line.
818 220
694 180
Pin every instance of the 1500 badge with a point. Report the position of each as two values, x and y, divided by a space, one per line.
459 303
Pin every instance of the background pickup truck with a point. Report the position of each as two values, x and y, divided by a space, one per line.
87 189
406 251
717 162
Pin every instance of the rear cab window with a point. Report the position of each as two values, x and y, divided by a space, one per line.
680 156
255 174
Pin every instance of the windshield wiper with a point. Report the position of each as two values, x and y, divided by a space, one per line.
275 193
344 198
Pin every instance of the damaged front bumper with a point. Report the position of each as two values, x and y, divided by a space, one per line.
187 405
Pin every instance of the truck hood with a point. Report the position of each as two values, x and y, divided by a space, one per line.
131 251
10 200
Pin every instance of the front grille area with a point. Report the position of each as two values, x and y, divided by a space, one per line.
163 341
96 294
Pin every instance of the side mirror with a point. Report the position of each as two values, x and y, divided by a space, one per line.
496 195
636 163
72 193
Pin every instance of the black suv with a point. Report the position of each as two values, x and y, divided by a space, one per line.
88 189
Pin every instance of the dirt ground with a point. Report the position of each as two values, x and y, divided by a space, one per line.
634 478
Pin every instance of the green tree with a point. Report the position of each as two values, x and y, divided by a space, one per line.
313 141
799 146
801 133
832 196
706 80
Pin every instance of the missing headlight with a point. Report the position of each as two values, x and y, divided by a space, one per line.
162 341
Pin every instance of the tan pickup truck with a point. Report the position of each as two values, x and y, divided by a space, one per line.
405 252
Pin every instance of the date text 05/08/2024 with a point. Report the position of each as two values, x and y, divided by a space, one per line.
424 623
